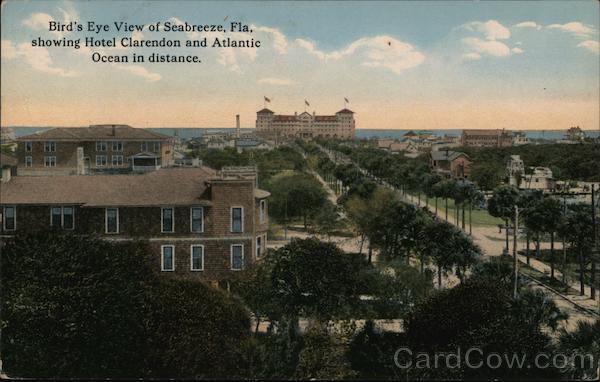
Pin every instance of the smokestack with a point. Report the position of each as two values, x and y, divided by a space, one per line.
237 125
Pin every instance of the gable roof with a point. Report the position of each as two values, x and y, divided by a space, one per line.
265 111
95 132
345 111
448 155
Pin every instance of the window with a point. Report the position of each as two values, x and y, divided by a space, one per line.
117 160
197 219
237 257
62 217
144 146
100 160
237 219
156 146
28 147
56 216
167 220
112 220
101 146
167 262
117 146
263 210
9 221
68 218
49 161
28 161
49 146
197 257
258 246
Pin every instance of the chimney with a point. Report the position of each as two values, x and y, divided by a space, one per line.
80 161
6 174
237 125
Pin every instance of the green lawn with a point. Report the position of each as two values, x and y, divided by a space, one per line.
480 217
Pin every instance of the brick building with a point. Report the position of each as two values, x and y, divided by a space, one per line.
305 125
450 164
487 138
97 148
201 224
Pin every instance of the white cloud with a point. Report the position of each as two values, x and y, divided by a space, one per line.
487 47
528 24
472 56
9 51
486 43
591 45
278 39
38 21
375 52
276 81
491 29
575 27
38 58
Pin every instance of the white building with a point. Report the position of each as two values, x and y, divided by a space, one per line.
541 179
305 125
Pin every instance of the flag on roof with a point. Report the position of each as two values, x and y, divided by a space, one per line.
346 99
306 103
267 100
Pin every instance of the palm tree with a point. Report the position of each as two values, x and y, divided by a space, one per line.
440 247
551 215
502 205
580 342
579 232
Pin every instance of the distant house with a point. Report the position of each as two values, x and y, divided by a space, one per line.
515 168
541 179
450 164
385 143
244 144
487 138
520 138
408 148
575 134
97 148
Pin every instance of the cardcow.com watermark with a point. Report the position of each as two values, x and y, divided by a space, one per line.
476 358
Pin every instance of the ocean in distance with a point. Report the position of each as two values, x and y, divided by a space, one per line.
192 132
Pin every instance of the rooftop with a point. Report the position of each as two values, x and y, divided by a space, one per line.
446 155
170 186
95 132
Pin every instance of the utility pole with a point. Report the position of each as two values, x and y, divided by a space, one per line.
515 260
593 275
564 267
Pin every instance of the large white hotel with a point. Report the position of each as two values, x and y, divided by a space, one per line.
305 125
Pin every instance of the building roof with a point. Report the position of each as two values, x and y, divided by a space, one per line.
169 186
95 132
345 111
265 111
485 132
7 160
448 155
248 142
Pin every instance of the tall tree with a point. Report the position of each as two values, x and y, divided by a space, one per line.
502 205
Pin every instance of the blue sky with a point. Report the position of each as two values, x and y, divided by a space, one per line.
526 65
